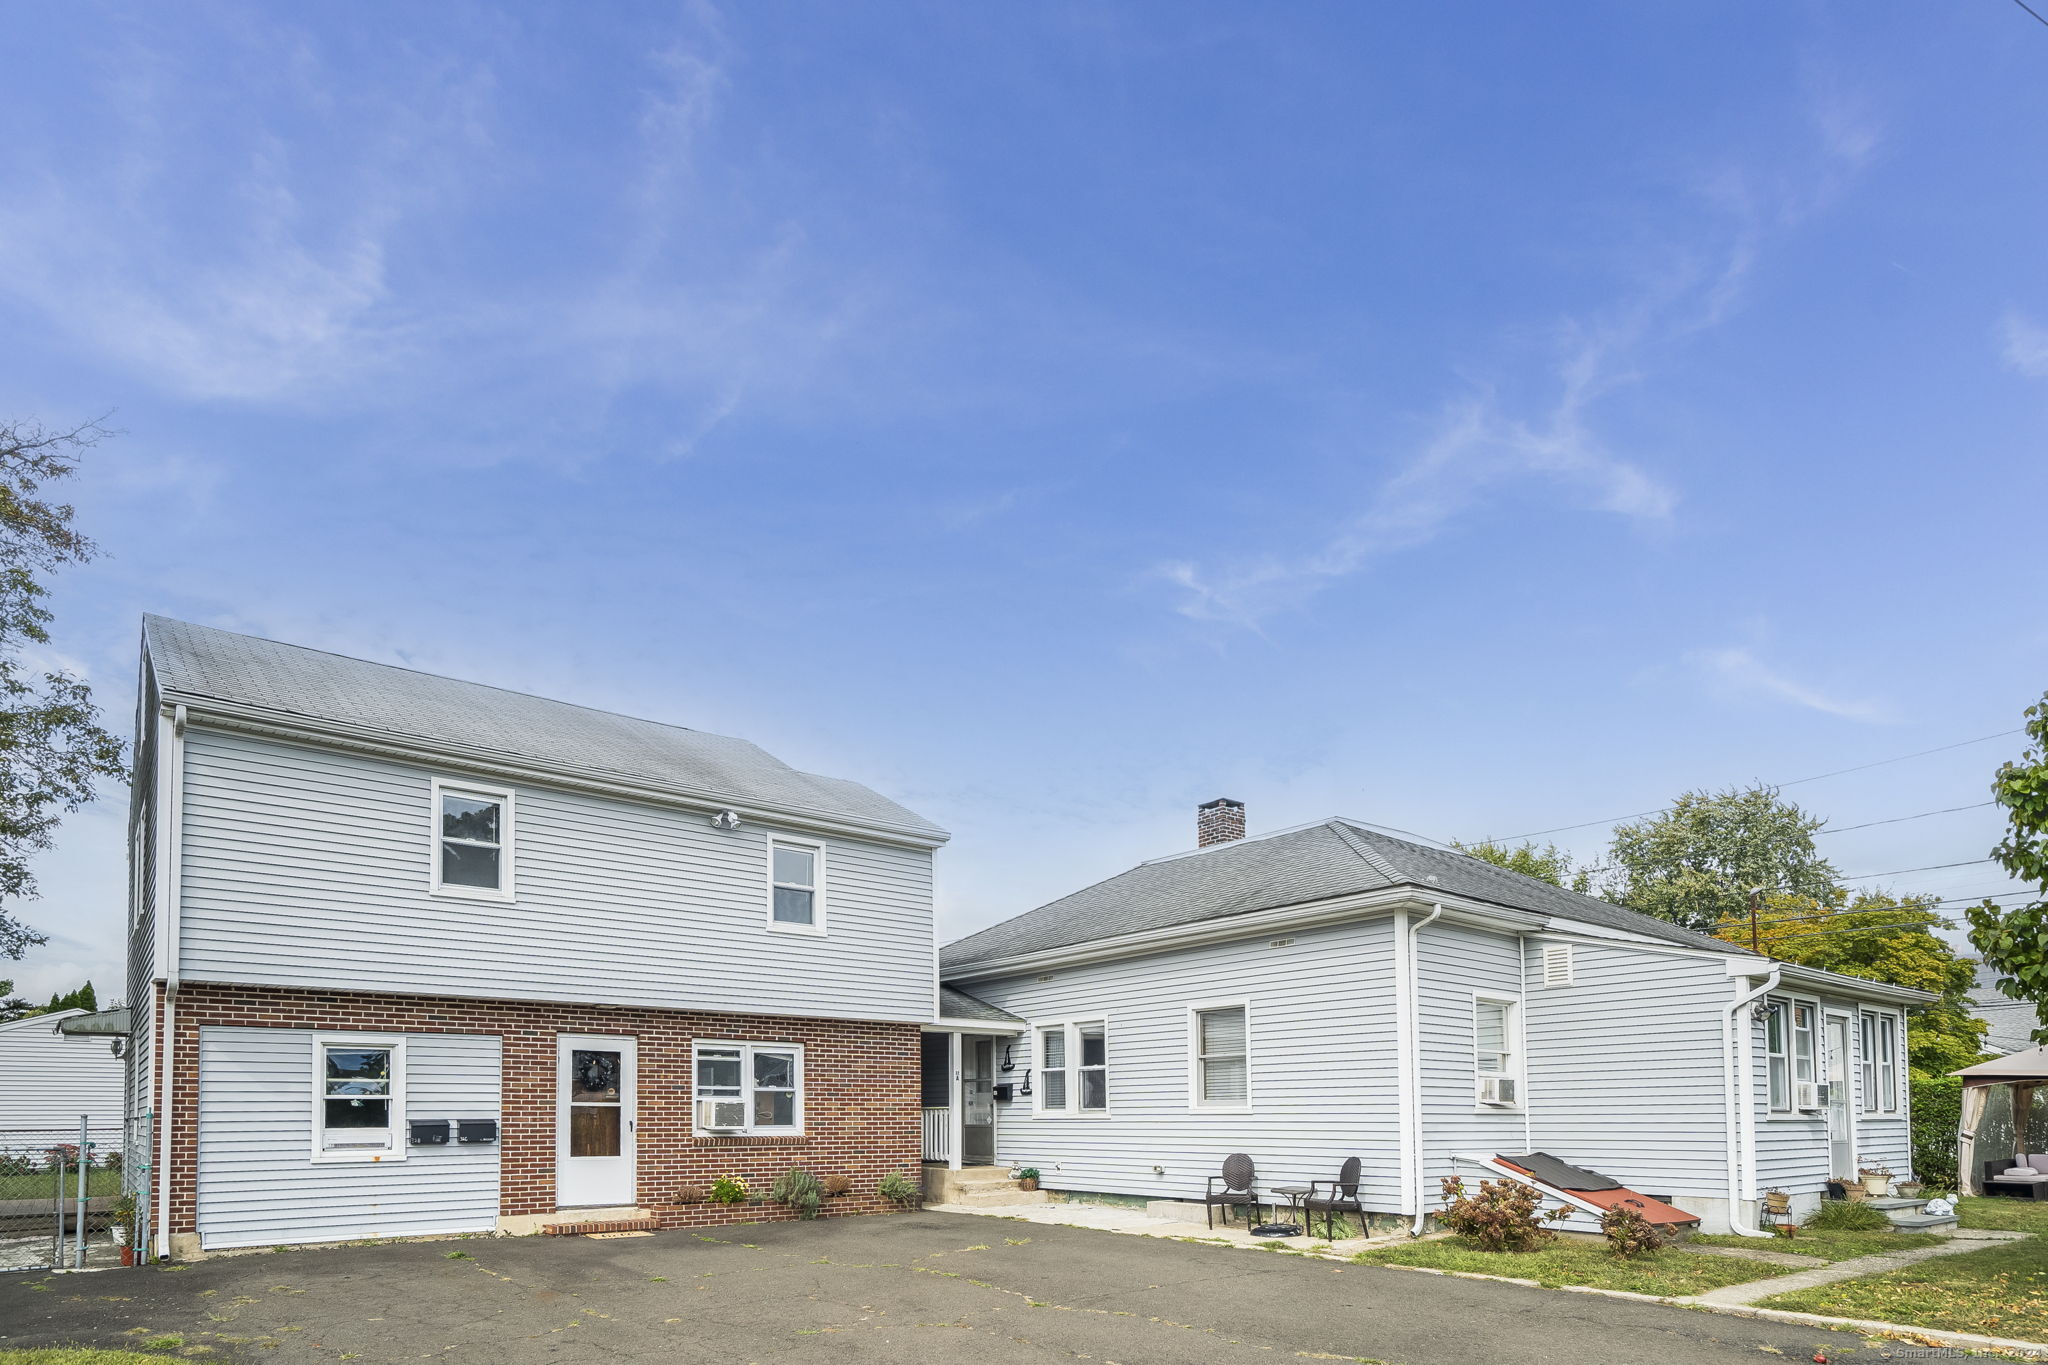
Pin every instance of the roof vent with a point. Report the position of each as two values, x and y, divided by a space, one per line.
1219 822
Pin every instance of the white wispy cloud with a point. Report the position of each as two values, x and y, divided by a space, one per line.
1739 670
1484 444
2025 346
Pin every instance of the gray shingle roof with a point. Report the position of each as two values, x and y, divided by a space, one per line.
200 663
960 1005
1335 858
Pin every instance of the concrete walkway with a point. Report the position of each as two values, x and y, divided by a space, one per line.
1969 1239
1144 1223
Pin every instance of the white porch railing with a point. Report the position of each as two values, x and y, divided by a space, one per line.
938 1129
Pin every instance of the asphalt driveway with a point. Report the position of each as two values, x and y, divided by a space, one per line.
924 1287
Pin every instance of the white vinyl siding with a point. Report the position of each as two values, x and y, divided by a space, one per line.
1320 1038
47 1080
1792 1147
309 867
258 1184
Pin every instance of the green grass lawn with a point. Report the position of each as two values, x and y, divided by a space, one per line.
1668 1272
43 1185
2001 1291
2010 1215
1829 1245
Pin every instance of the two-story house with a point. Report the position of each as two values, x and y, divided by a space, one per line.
411 955
1335 991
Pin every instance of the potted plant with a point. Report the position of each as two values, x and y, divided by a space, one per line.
1027 1177
836 1185
1907 1189
1877 1181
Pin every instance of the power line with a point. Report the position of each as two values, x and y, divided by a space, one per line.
1839 772
1915 904
1896 819
1900 872
2030 9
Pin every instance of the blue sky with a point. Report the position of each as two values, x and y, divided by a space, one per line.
1472 418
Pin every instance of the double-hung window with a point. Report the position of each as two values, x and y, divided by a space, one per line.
1222 1057
472 842
358 1099
1791 1046
1494 1051
796 885
749 1087
1880 1040
1073 1066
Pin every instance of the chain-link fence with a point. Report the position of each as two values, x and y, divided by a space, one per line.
62 1201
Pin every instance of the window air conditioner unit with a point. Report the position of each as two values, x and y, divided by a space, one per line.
1497 1090
721 1115
1806 1095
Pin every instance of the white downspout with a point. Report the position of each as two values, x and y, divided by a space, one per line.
1739 1092
173 775
1412 1100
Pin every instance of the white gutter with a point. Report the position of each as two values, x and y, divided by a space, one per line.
1738 1088
171 773
1407 986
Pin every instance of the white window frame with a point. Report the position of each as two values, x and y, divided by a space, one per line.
1511 1029
1071 1032
1196 1099
1880 1064
399 1144
1791 1005
816 888
747 1051
507 823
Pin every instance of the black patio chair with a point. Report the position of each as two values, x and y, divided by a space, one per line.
1239 1181
1342 1197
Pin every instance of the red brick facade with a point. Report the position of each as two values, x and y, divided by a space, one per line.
861 1116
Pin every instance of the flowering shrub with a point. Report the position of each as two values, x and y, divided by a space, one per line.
1503 1215
728 1189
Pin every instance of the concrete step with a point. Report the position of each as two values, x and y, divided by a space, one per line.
1923 1222
1893 1203
998 1198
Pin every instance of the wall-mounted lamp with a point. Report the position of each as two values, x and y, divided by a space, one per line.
726 819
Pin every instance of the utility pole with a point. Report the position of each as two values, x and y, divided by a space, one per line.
1756 896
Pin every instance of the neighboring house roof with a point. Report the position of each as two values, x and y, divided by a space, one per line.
1337 857
960 1005
48 1021
2012 1022
109 1023
198 664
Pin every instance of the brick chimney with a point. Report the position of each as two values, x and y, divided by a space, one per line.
1219 821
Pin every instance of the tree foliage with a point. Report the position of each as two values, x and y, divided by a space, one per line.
2014 940
1880 937
13 1006
1696 863
53 751
1551 863
81 999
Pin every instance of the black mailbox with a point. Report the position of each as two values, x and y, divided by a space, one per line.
476 1130
427 1132
1004 1092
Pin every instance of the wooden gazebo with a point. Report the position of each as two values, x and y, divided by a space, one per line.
2024 1074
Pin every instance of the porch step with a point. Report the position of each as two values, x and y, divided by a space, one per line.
590 1226
992 1198
1923 1222
978 1187
1894 1203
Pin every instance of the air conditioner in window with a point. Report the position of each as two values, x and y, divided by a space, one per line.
721 1116
1806 1095
1499 1090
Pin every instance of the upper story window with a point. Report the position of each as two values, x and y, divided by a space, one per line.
1880 1040
1222 1060
1494 1053
358 1099
1073 1064
472 841
749 1087
796 890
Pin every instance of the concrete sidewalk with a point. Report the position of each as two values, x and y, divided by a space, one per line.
1969 1239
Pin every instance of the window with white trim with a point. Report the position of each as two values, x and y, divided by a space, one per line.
1222 1058
1495 1063
794 871
1880 1042
749 1087
1073 1068
472 842
358 1098
1805 1047
1777 1047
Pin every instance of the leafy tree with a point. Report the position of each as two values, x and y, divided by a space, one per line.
1697 863
1549 862
1879 937
2014 940
13 1006
52 749
80 999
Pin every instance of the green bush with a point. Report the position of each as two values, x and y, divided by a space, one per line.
799 1189
900 1188
1937 1113
1846 1215
728 1189
1629 1234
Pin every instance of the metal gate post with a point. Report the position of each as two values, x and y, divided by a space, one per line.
84 1167
57 1207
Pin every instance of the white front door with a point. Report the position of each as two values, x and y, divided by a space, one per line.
595 1078
1841 1136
